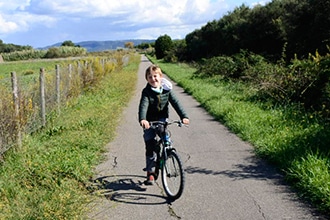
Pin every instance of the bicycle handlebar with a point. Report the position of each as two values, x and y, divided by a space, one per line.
167 122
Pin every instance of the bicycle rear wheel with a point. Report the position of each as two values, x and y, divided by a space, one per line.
173 176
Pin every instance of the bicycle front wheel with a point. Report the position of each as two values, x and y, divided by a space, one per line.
173 176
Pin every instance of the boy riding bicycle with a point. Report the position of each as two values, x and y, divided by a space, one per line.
154 106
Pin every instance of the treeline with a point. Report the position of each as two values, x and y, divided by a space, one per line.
281 49
53 52
11 52
277 57
8 48
291 26
282 29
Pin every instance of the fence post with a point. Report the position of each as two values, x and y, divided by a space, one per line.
42 97
70 74
68 85
16 107
80 73
91 70
58 92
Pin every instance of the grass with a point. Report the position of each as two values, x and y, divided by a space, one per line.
29 67
46 178
293 140
27 72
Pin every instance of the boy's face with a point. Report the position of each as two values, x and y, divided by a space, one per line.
154 79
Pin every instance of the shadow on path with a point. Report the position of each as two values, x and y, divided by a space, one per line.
127 189
256 169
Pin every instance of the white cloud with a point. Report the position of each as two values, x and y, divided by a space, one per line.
259 3
79 20
7 26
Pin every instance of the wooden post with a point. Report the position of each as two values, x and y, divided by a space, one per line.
57 89
16 107
70 74
42 97
68 85
91 70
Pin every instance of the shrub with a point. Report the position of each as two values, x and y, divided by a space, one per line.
237 67
65 51
162 45
23 55
304 81
217 66
53 52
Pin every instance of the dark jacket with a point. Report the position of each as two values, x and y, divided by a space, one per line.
154 106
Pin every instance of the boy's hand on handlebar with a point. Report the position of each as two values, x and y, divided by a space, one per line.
144 124
185 121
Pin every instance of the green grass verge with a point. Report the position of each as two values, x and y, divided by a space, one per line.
295 141
30 67
46 178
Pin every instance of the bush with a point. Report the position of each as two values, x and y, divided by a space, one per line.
304 81
217 66
23 55
162 45
236 67
65 51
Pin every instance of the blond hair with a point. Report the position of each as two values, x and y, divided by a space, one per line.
154 68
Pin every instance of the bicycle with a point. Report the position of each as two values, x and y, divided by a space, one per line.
168 160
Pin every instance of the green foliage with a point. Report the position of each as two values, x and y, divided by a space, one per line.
217 66
300 25
76 77
23 55
68 43
65 51
235 67
303 81
46 178
294 140
54 52
144 46
311 175
8 48
163 44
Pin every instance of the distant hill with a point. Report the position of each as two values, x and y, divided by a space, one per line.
93 46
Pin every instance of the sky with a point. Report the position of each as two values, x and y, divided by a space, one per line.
40 23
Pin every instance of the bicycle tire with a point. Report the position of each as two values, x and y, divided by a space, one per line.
173 178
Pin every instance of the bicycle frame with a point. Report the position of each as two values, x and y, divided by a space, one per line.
163 133
168 161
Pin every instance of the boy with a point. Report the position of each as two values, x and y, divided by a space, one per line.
154 106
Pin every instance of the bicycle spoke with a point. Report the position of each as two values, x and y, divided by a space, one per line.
172 176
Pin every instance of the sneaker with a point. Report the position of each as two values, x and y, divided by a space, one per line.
150 180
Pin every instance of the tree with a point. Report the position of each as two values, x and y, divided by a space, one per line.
163 44
68 43
143 46
129 45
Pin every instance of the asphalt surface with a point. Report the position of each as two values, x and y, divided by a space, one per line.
224 179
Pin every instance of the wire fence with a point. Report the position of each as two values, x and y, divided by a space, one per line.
27 101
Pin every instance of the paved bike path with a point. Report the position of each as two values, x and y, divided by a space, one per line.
224 180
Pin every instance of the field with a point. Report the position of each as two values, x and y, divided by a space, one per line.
46 177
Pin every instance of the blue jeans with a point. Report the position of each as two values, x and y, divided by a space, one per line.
152 150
